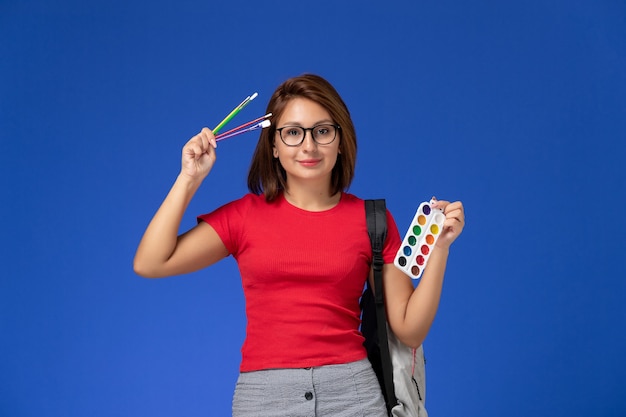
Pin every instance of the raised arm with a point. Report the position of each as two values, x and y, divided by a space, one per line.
411 312
161 251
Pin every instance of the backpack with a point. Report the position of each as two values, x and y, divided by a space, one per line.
399 368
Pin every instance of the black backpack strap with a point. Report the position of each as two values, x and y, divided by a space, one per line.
376 212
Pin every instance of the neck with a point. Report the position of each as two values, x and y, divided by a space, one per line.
311 198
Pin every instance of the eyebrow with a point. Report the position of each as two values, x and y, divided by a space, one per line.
320 122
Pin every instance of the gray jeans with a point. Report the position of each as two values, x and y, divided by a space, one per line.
347 390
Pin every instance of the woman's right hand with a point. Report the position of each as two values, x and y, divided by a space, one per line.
198 156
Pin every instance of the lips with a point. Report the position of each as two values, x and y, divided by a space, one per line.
309 162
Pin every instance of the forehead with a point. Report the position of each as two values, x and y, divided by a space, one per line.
303 111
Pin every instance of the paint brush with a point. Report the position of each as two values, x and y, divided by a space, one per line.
262 125
233 113
267 116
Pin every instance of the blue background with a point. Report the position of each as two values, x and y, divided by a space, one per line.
516 108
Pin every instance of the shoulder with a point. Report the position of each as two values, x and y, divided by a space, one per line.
236 207
352 202
356 199
246 201
351 199
391 222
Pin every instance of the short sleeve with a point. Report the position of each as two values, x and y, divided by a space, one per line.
228 222
392 242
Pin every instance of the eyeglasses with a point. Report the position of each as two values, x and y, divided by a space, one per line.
322 134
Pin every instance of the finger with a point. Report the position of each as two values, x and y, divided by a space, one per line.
455 210
439 204
195 149
203 139
457 205
206 139
452 223
209 137
457 215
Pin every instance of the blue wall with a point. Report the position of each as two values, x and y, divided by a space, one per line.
516 108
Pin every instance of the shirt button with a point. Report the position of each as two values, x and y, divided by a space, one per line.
308 395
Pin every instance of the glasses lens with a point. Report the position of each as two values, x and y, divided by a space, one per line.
292 135
324 134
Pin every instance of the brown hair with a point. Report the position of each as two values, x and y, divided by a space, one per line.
266 174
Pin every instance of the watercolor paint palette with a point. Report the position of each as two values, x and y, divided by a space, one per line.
420 240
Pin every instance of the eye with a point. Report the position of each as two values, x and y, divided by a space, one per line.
292 131
322 130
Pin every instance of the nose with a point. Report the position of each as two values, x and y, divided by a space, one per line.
308 143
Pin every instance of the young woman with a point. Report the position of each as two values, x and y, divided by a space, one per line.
303 251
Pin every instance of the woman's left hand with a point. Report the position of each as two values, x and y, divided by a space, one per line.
454 223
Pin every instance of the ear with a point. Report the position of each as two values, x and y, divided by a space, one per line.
275 152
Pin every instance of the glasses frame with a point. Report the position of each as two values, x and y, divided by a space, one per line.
311 129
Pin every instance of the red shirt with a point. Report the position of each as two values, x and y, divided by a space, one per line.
302 274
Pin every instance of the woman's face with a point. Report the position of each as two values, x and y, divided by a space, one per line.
309 161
